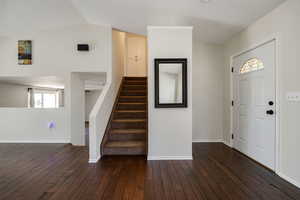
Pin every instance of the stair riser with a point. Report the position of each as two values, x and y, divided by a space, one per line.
126 137
128 125
135 82
133 93
134 87
135 78
129 115
131 107
124 151
132 100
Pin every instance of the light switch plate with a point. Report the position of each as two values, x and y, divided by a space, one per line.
293 96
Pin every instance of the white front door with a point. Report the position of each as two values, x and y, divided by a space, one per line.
136 56
254 104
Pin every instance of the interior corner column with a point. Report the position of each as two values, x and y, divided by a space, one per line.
77 110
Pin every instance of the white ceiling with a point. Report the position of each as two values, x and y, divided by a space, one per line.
213 22
32 15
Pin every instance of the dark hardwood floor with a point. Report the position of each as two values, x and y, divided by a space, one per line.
56 171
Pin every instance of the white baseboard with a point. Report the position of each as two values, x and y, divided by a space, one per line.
207 141
170 158
43 141
94 160
288 179
212 141
227 144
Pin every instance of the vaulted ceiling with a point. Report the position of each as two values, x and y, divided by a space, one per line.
32 15
214 22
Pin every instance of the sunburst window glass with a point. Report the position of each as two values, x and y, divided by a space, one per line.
251 65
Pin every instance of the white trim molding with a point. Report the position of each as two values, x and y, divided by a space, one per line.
212 141
42 141
207 141
170 158
288 179
91 161
227 144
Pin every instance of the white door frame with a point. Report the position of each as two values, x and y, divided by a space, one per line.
277 93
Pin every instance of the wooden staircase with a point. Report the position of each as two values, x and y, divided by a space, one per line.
126 132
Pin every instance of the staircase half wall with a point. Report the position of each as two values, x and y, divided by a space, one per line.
101 112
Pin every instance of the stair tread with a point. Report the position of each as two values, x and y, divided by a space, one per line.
132 103
128 131
138 82
128 85
135 77
132 97
135 80
129 120
135 90
125 144
135 83
130 111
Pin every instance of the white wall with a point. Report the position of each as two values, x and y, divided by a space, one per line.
90 99
136 45
23 125
13 96
77 110
103 107
54 54
283 22
208 76
170 130
2 57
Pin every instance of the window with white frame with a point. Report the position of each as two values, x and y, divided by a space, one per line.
42 98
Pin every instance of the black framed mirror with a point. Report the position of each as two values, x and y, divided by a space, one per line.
170 82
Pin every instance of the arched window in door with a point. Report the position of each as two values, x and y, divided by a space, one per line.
251 65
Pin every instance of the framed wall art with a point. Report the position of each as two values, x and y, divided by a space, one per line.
25 52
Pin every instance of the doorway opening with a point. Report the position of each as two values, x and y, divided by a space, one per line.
136 55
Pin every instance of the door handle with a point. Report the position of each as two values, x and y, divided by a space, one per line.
270 112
